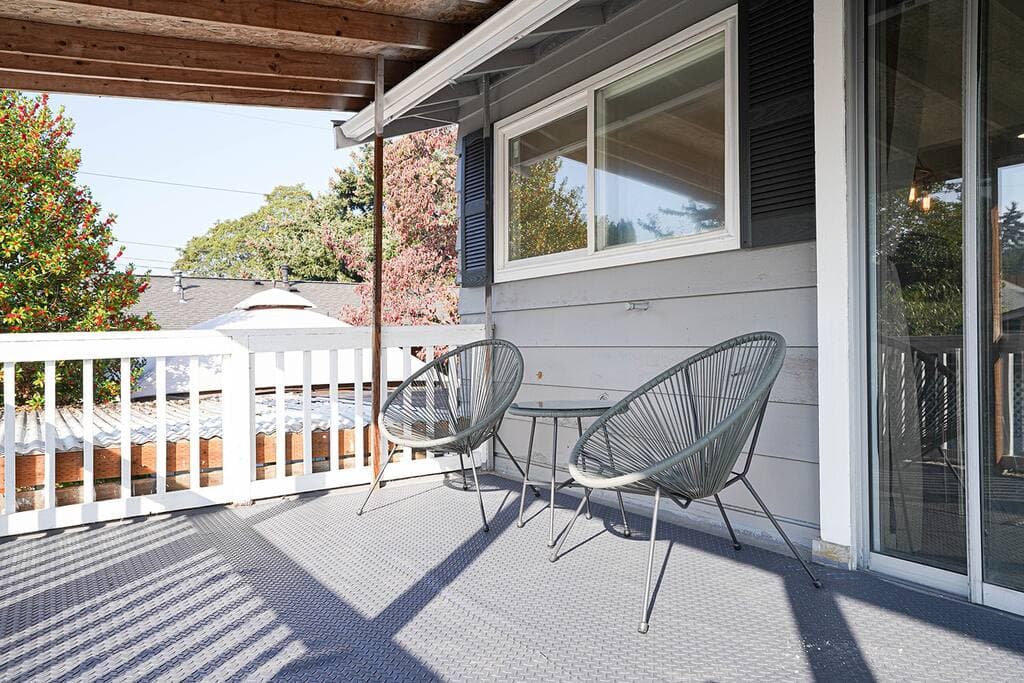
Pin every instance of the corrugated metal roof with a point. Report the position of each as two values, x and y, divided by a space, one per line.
30 425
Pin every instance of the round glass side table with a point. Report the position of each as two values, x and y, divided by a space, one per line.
555 410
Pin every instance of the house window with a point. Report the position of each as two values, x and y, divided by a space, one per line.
547 186
635 164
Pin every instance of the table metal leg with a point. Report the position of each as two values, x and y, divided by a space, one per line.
526 474
554 455
583 462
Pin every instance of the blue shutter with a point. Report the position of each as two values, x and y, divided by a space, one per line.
776 108
475 223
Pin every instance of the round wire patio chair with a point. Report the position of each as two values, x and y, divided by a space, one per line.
454 403
682 434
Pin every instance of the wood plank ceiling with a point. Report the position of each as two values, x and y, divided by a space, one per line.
310 54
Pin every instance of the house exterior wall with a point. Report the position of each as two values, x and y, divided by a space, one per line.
580 341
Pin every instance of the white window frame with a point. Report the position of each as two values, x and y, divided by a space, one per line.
582 96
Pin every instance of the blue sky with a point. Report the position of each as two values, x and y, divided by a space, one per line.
233 147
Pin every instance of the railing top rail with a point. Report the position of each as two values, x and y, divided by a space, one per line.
30 347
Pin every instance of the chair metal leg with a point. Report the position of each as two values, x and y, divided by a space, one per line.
728 524
462 470
568 528
376 481
792 548
644 625
526 474
515 462
625 524
479 496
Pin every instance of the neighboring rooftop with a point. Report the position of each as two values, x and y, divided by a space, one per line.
204 298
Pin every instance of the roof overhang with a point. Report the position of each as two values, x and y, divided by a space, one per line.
485 43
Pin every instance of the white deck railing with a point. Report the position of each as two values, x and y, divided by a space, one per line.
140 486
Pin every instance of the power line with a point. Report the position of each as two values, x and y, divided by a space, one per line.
168 182
261 118
149 244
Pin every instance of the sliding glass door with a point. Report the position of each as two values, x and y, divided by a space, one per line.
945 223
1001 234
915 192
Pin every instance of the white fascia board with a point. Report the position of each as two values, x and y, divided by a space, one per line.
514 21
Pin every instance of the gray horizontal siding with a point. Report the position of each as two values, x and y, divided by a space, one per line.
580 341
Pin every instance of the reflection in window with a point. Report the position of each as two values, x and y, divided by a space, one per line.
660 148
915 230
547 188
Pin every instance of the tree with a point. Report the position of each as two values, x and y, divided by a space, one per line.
547 215
420 227
56 272
287 229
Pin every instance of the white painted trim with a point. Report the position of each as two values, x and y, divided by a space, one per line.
1005 599
581 96
922 574
505 27
841 387
973 337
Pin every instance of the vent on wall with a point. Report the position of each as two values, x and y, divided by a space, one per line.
776 50
475 214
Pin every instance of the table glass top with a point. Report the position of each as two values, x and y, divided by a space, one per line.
564 407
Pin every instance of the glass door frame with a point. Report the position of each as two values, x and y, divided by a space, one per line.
972 585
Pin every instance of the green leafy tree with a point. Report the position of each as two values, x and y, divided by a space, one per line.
286 229
547 215
56 271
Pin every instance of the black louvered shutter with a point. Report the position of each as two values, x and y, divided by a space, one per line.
776 63
475 215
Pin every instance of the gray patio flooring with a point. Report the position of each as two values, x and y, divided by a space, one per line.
302 589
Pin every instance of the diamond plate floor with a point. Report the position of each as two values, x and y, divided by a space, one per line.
304 590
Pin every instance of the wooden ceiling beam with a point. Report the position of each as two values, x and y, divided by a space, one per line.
144 73
288 15
20 80
53 40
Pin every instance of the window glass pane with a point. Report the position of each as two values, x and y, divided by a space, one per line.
1001 287
915 232
660 144
547 182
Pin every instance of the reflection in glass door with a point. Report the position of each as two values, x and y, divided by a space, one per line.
1001 290
916 301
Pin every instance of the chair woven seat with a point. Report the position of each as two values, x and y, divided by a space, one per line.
454 403
685 429
682 434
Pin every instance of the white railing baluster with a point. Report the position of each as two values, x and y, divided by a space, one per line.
431 396
10 468
50 434
307 412
280 428
406 371
126 427
194 467
161 424
169 355
332 388
88 430
357 407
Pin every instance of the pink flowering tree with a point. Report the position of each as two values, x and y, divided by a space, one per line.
420 226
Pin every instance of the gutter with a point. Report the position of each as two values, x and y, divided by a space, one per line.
495 35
